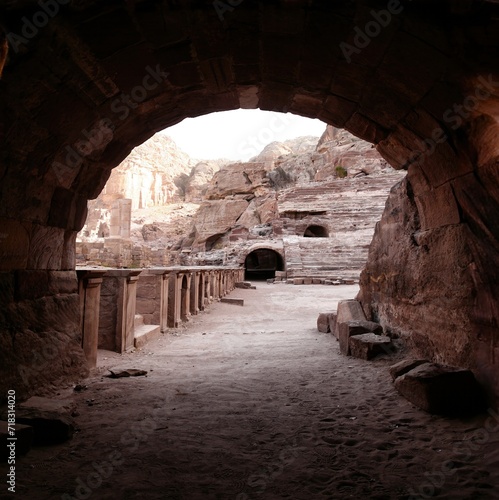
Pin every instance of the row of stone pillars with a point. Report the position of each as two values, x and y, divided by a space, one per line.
110 300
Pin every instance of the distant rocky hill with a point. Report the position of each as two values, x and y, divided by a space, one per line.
214 212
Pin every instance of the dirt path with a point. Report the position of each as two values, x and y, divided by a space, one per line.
252 402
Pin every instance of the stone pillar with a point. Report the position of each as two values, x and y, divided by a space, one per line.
122 299
194 293
162 304
174 294
201 290
208 287
121 219
185 287
165 278
89 286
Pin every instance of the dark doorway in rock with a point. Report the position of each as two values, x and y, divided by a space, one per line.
262 264
316 232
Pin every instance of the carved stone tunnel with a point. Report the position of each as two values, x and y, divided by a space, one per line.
262 263
90 80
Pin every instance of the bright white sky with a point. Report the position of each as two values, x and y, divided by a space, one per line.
239 134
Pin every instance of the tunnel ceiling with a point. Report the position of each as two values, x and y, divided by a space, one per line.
90 80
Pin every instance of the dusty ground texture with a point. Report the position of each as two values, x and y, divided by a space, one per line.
252 402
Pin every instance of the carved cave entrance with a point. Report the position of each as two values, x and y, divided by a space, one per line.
262 264
316 232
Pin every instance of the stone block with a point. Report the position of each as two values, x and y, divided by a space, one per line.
349 329
244 285
368 345
31 285
317 281
280 274
349 310
307 281
235 302
333 318
50 419
14 244
298 281
323 324
442 390
405 366
24 439
62 282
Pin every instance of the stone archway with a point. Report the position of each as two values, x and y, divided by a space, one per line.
262 264
417 90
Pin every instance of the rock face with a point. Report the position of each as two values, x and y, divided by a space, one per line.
324 227
155 174
417 282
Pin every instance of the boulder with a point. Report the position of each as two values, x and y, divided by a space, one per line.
351 328
52 424
442 390
369 345
23 435
401 368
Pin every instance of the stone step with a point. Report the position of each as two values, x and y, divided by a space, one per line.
138 321
144 334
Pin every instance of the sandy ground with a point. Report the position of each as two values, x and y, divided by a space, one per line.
253 403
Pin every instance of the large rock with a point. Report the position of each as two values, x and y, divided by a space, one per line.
441 389
418 282
348 310
50 419
402 367
369 345
349 329
23 435
238 179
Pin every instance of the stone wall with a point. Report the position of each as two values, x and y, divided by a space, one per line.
149 298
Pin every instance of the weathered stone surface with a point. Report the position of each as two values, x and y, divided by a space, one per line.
323 323
348 310
401 368
245 285
348 329
50 419
333 318
418 283
234 302
368 345
24 439
441 389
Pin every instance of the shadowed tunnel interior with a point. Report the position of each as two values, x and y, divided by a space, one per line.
96 79
262 264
